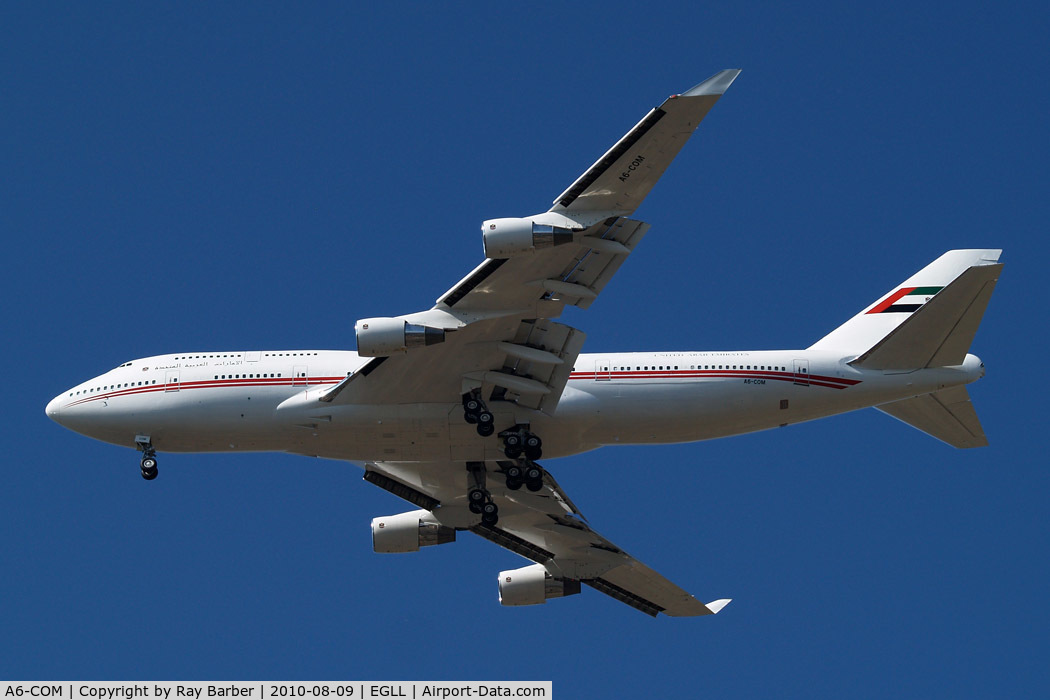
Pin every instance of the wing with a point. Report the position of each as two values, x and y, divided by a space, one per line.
618 182
544 526
498 328
496 324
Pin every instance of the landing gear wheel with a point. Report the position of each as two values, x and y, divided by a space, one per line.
485 418
512 445
515 477
148 463
484 430
490 519
489 508
471 418
532 447
475 508
533 478
477 496
472 406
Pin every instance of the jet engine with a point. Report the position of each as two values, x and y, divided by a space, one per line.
505 238
407 532
380 337
532 585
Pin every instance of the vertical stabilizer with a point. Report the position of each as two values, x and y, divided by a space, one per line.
905 330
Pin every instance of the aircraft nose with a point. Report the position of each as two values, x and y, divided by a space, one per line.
54 408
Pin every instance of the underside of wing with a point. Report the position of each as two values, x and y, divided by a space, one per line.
498 336
618 182
543 526
492 334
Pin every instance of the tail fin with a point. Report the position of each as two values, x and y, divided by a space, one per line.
927 321
947 415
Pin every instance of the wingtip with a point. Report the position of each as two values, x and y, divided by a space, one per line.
717 84
716 606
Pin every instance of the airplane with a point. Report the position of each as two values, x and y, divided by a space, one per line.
452 407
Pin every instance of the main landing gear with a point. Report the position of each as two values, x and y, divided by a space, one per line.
476 413
148 463
479 500
524 473
520 445
518 441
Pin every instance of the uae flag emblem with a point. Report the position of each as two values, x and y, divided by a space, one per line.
905 299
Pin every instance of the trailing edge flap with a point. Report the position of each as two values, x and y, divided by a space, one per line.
940 333
947 415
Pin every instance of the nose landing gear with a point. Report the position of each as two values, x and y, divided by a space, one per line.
148 463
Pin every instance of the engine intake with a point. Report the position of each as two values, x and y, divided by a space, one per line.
505 238
380 337
407 532
532 585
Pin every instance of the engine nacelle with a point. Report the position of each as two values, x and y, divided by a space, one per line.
407 532
380 337
505 238
532 585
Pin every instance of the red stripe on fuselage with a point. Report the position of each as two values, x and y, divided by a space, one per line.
209 384
819 380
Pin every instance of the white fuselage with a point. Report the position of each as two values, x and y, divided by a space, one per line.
267 401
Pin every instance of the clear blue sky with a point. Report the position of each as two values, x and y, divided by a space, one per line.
242 176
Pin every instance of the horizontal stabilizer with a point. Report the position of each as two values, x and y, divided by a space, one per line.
947 415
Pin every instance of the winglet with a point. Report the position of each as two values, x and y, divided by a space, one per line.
717 84
715 606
